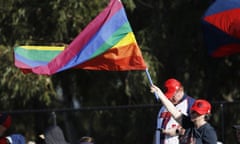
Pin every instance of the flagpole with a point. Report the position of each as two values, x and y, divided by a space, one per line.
151 83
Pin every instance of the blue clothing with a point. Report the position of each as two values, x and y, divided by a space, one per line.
190 101
203 135
17 139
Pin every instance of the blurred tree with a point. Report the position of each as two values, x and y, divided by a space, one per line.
169 35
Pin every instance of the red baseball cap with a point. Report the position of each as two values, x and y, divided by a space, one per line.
171 85
201 107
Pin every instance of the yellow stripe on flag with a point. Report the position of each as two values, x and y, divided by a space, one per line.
52 48
128 39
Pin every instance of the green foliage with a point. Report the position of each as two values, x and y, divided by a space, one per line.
169 35
18 90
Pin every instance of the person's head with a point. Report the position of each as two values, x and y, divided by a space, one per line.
200 110
5 122
54 135
174 90
237 132
86 140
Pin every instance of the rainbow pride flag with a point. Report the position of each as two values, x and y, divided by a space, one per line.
106 43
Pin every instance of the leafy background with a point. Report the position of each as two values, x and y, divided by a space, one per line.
113 107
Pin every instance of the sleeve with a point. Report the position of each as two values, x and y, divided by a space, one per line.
186 122
16 139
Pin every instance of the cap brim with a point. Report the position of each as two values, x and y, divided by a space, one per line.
169 94
198 111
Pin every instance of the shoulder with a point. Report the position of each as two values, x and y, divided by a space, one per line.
208 132
206 127
209 129
190 99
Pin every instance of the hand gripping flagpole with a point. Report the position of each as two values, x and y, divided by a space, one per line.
151 83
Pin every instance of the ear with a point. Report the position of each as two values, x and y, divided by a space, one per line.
181 88
207 117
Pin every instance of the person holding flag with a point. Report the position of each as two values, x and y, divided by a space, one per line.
197 128
166 124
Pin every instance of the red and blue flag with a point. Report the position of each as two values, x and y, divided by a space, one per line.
221 28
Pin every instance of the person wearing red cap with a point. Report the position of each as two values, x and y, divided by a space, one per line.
197 128
5 122
166 124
